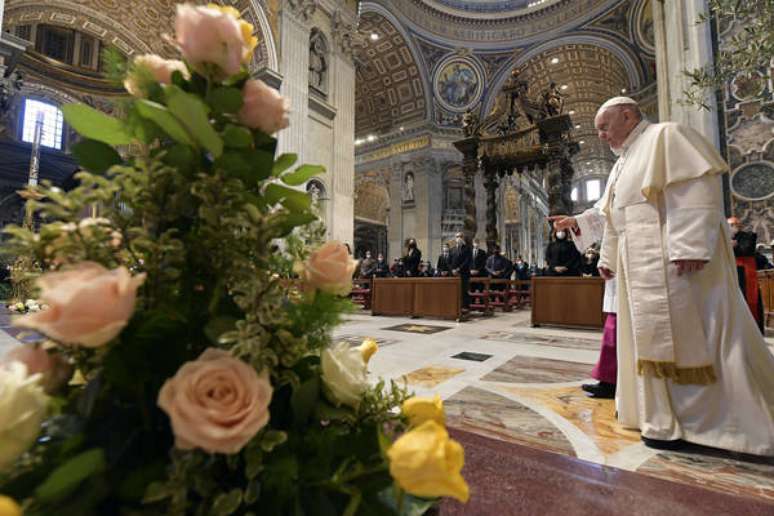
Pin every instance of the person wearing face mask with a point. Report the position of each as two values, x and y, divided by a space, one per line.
692 364
367 266
589 263
442 266
744 244
461 258
478 265
562 256
498 267
412 259
381 269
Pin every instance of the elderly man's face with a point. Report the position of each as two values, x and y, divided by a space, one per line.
614 125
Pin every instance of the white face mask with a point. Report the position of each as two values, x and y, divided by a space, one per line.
560 235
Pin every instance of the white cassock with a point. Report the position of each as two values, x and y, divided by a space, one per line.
692 364
591 224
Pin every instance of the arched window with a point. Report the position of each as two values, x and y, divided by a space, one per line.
51 123
319 61
593 189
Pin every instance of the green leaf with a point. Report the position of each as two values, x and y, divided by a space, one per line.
326 411
225 100
293 220
252 491
293 200
164 119
218 326
67 477
283 163
192 113
94 156
304 399
96 125
271 439
227 503
237 137
302 174
235 164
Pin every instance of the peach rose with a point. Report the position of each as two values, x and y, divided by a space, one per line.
213 36
216 403
55 371
330 269
151 66
264 108
87 305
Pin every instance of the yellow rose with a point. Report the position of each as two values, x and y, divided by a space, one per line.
9 507
426 462
367 349
247 29
418 410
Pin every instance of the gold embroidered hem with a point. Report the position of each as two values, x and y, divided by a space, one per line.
704 375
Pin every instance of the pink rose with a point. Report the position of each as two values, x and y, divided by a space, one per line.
330 269
216 403
87 305
213 36
55 370
151 66
264 108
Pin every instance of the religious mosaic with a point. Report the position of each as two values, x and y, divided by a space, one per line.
458 84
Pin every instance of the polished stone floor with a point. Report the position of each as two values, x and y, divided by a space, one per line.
518 389
504 380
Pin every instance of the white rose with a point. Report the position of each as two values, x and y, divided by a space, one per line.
344 373
22 409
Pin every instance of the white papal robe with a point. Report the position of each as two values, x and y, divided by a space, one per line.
692 364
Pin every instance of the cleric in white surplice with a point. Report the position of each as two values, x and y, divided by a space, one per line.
692 365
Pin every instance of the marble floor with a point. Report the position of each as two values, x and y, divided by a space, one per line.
513 384
504 380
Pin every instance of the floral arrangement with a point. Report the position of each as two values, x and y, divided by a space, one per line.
31 305
187 366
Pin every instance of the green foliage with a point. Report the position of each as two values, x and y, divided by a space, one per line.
747 49
198 203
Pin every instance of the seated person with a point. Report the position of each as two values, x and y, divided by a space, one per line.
398 269
588 267
367 266
381 270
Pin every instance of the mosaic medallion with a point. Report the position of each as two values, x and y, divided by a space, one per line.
754 181
747 86
458 84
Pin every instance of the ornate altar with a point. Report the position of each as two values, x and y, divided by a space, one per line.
519 134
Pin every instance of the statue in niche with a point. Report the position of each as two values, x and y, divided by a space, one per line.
318 63
408 187
553 100
315 191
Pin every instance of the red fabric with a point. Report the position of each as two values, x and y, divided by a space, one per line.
606 369
750 283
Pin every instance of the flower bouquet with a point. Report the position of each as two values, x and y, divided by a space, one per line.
187 366
31 305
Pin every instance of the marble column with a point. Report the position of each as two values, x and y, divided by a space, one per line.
469 150
343 174
490 184
682 44
295 30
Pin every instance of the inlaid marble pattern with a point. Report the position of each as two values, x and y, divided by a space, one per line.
522 369
491 415
423 329
592 343
720 472
594 417
431 376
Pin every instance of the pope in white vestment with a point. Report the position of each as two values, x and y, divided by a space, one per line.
692 364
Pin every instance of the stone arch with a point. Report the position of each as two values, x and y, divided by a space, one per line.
372 202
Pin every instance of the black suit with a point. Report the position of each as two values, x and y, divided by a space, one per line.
443 265
461 258
478 268
382 270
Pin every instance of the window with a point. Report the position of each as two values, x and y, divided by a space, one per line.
24 31
593 190
574 193
55 43
52 123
